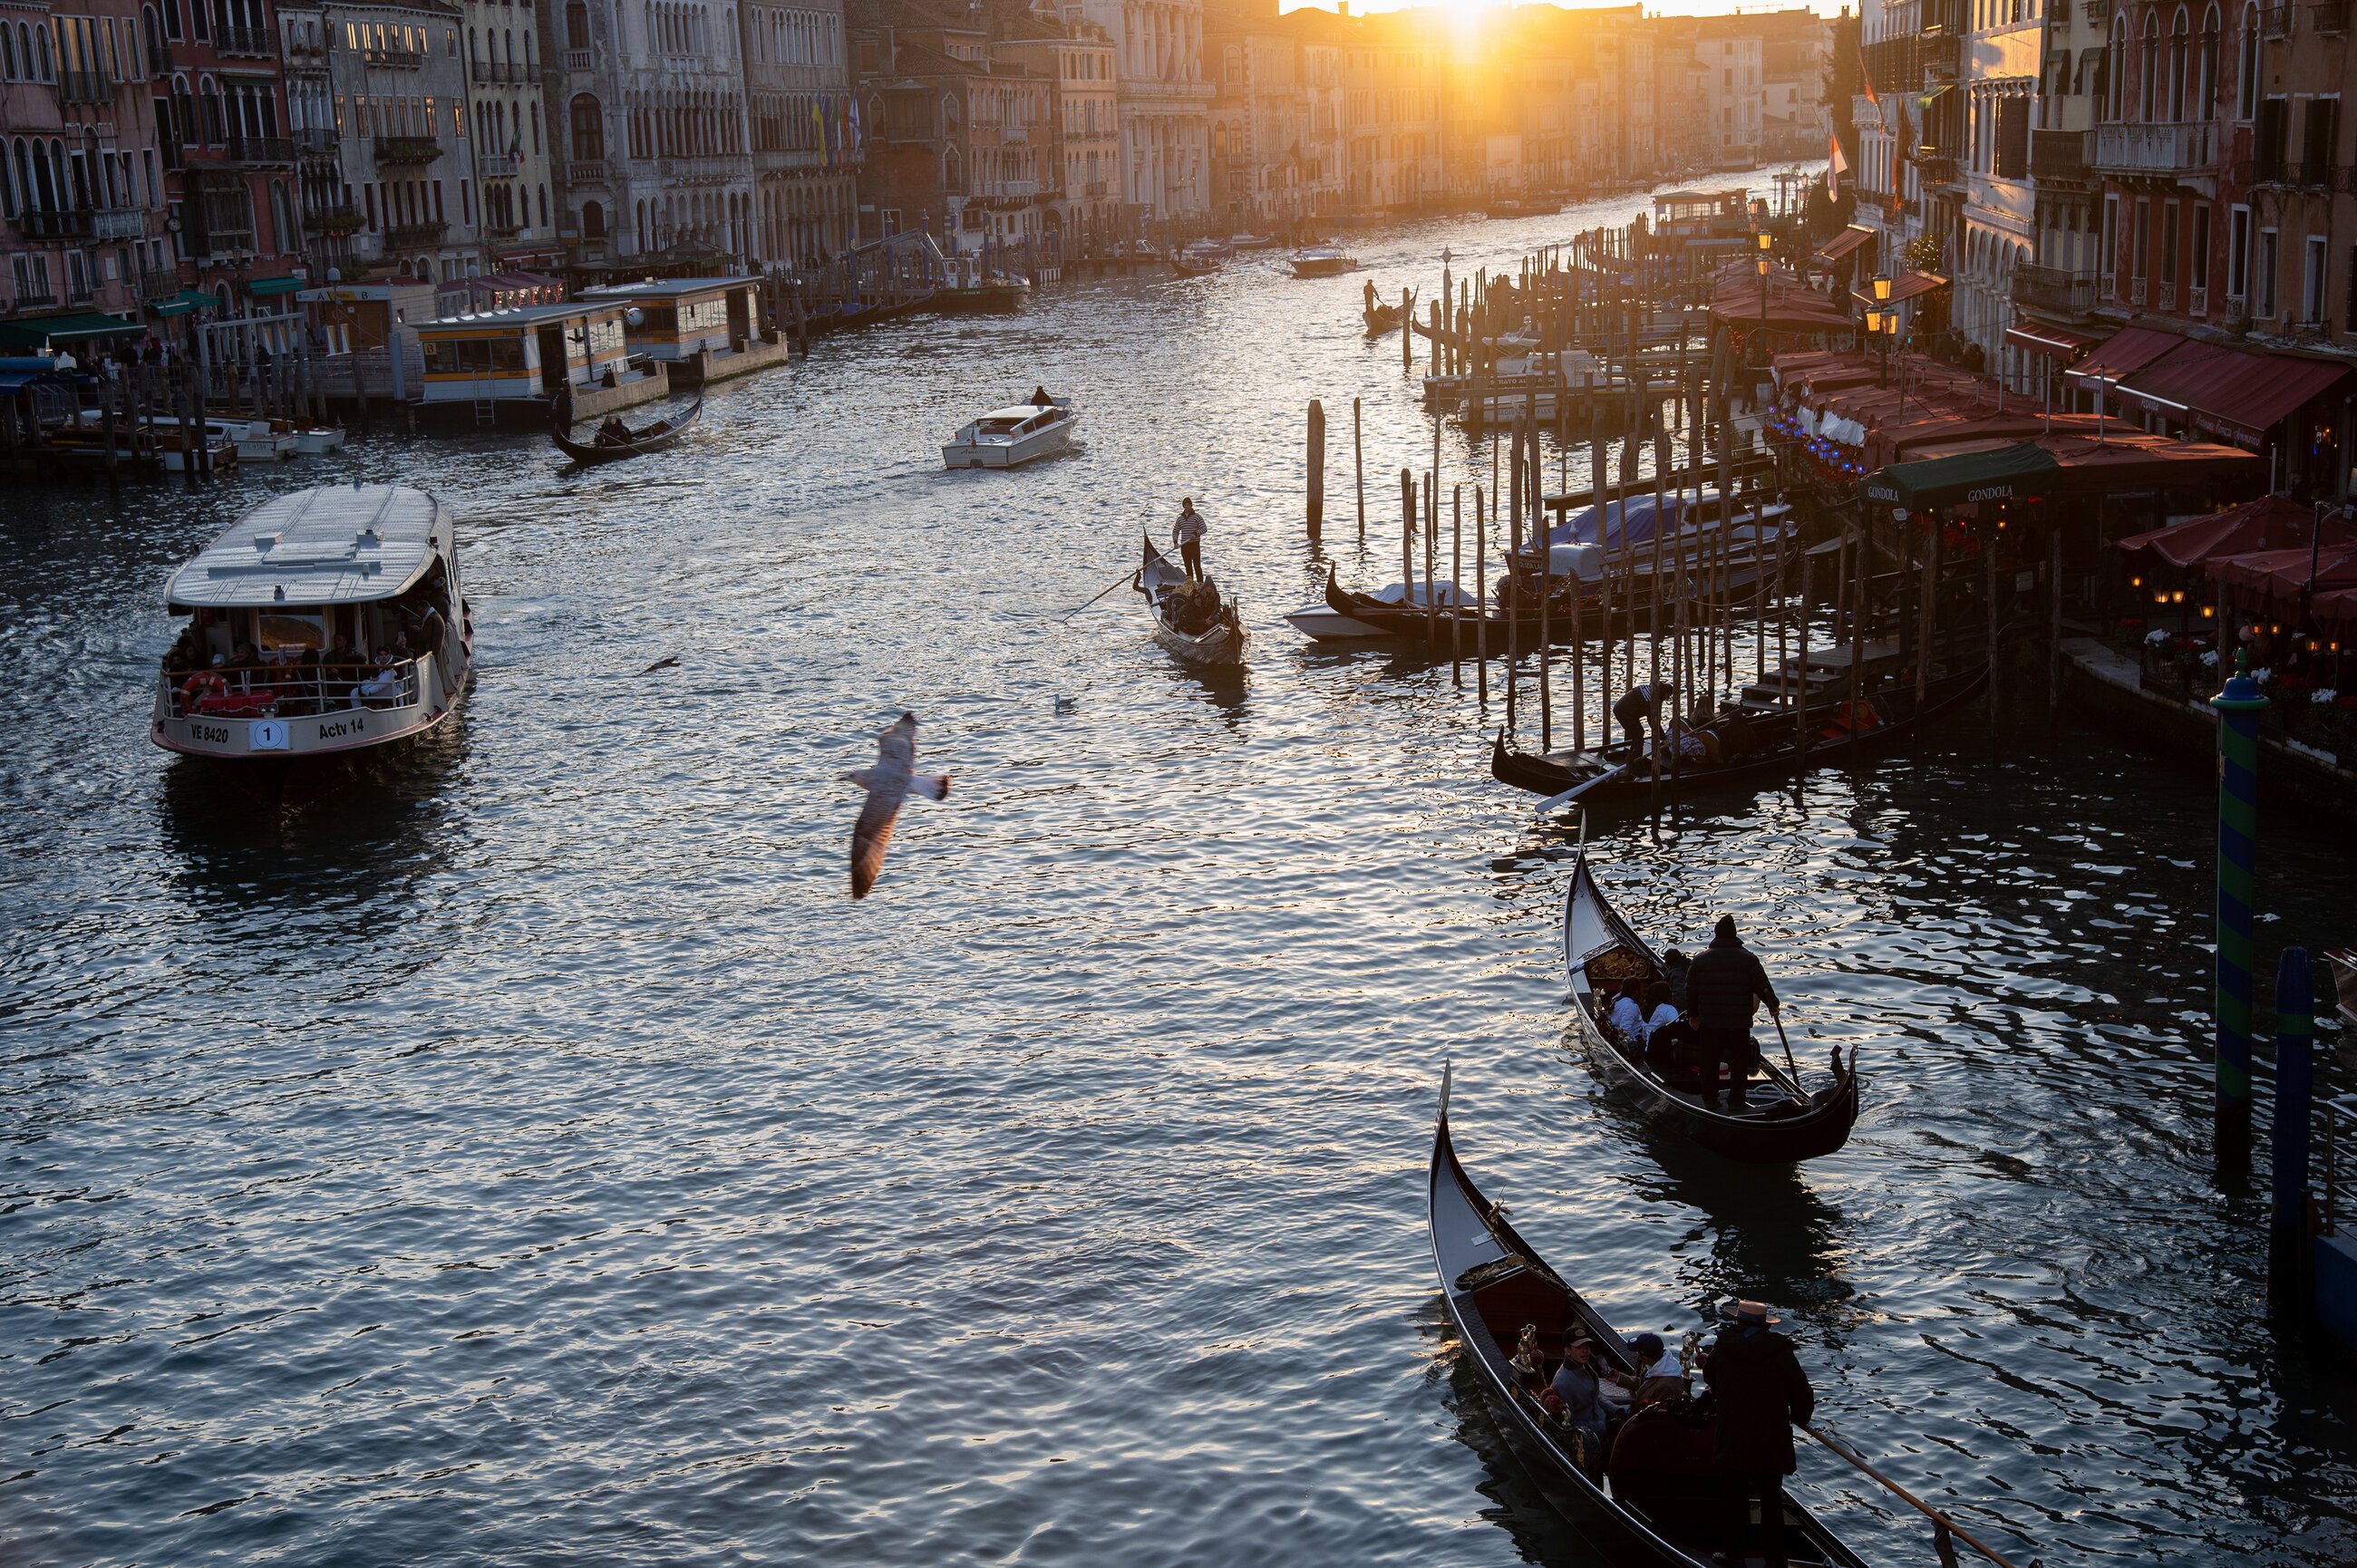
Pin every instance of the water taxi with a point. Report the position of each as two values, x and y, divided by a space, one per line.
1008 438
1323 262
325 621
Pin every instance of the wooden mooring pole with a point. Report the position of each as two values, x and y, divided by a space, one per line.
1317 468
1359 467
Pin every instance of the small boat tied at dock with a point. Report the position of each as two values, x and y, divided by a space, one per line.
325 621
1779 1121
1191 618
1011 436
1323 262
1646 1493
1321 622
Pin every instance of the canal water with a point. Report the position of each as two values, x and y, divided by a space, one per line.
529 1154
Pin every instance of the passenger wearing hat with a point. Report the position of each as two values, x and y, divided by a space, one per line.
1761 1394
1581 1390
1723 986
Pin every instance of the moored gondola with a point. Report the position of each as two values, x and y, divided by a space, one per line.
1650 1496
1783 1121
1753 745
625 442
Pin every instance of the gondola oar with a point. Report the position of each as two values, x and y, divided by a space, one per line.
1130 576
1942 1520
1788 1046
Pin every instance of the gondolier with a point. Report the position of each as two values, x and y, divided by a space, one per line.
1722 989
1641 706
1762 1393
1186 533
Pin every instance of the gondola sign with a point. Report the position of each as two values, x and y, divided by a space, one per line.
1885 493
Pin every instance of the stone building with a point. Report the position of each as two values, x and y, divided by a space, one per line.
806 132
404 145
1165 104
229 176
1079 173
516 197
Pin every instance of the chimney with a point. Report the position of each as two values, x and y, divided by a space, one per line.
1341 8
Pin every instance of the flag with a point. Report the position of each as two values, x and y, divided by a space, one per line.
1865 80
1837 166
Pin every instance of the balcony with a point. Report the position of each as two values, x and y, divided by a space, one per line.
2188 152
261 43
333 221
314 144
158 282
502 228
2094 10
586 171
2197 301
493 70
118 223
260 150
2053 288
2328 17
2136 291
207 244
71 224
402 236
499 166
1942 52
40 294
1094 190
85 87
2167 298
397 59
407 149
2058 155
1936 168
579 60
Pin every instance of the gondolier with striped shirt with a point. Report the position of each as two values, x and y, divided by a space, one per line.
1641 706
1186 533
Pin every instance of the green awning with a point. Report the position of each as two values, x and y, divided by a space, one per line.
185 301
1925 100
2005 473
77 328
266 286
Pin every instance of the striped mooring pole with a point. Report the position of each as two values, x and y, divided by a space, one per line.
2289 1275
2239 707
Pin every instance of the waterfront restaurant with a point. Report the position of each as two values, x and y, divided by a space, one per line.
531 354
701 329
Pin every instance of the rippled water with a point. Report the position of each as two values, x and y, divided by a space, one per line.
531 1155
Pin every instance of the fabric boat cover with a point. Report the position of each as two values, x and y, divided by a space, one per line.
1626 522
2011 472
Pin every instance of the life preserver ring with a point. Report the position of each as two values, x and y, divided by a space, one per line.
207 682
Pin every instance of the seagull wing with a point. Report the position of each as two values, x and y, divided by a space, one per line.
871 835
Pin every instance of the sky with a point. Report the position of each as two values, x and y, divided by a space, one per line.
1652 7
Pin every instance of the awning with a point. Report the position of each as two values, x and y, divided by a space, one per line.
2005 473
2170 384
2253 392
1924 100
2271 523
185 301
1906 285
2125 354
2054 342
267 286
81 327
2285 574
1843 244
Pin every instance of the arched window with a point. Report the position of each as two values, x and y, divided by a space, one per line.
2246 65
8 53
2205 67
2181 44
543 206
950 173
588 128
2148 96
949 113
2115 66
576 25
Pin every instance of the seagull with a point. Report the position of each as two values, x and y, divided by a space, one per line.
669 661
888 783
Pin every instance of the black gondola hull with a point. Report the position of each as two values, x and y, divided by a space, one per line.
590 454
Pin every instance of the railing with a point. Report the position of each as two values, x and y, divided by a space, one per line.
2155 149
315 143
260 41
2274 21
36 296
78 292
579 60
2168 296
499 166
402 59
306 56
118 223
580 171
2136 291
1095 188
2197 302
2329 17
220 242
260 150
2053 288
2058 155
85 87
334 220
287 691
1936 168
400 236
407 149
71 224
498 70
2095 10
158 282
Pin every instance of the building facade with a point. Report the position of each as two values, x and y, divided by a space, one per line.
230 177
515 187
2003 60
1164 105
806 132
398 79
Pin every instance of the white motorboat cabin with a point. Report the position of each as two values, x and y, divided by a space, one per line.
1004 438
326 620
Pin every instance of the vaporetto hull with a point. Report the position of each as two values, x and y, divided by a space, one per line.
334 732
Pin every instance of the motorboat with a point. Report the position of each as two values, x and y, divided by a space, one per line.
1323 262
1250 242
1320 622
199 450
1010 436
258 440
323 622
311 440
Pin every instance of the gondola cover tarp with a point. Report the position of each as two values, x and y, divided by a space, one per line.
2005 473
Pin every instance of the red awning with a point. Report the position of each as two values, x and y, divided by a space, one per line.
2054 342
2254 393
2125 353
2340 605
1843 244
1904 287
2288 571
2271 523
2173 383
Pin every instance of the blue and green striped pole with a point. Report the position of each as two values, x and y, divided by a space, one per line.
2239 707
2287 1244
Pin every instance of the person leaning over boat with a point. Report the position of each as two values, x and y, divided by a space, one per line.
1186 533
1642 706
1761 1394
1723 988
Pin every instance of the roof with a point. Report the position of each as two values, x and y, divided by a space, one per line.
2123 354
517 316
2253 392
2020 468
665 288
34 331
333 544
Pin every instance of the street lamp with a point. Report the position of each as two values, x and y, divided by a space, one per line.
1882 323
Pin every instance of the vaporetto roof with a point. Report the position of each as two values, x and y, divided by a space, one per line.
331 544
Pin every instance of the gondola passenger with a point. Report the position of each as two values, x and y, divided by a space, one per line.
1667 1034
1629 1014
1581 1396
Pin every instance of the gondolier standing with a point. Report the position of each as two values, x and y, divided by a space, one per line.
1761 1394
1640 706
1722 988
1186 533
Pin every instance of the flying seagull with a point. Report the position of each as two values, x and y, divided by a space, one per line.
888 783
669 661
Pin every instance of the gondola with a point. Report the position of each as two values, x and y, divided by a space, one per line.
1783 1121
1191 618
1381 318
1508 634
1652 1497
1764 746
654 437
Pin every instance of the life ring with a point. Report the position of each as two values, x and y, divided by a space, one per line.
207 682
